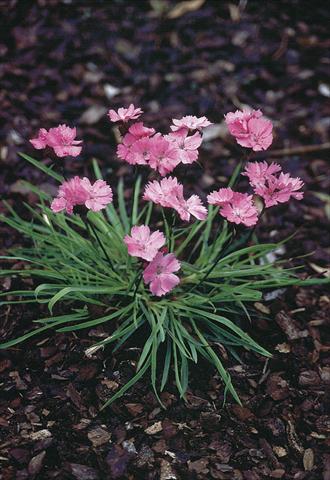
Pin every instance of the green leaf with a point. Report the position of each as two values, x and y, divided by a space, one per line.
122 206
128 385
42 167
55 321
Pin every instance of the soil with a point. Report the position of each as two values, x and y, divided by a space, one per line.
69 62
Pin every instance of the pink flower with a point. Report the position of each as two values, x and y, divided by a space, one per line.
220 197
100 194
41 140
240 209
77 191
71 193
166 193
164 155
191 122
159 274
259 172
169 194
250 129
125 114
280 189
237 122
59 204
142 244
187 146
61 139
193 206
139 152
234 206
270 183
135 133
124 148
138 130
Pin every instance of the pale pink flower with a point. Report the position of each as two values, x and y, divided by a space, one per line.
159 274
164 156
41 140
77 191
166 193
135 132
125 114
100 194
240 209
62 140
220 197
250 129
187 146
193 206
259 172
191 122
280 189
144 244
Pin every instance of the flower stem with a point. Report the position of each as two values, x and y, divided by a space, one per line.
234 180
137 285
172 239
134 188
92 227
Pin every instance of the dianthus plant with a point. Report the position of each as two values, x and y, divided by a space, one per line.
179 270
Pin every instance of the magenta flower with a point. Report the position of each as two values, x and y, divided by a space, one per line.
280 189
259 172
143 244
164 156
234 206
191 122
125 114
77 191
61 139
40 141
250 129
187 146
159 274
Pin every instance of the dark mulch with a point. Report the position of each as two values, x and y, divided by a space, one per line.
69 62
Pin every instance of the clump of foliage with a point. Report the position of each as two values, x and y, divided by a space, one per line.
186 284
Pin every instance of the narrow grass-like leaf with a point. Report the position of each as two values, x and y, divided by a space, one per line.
128 385
42 167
